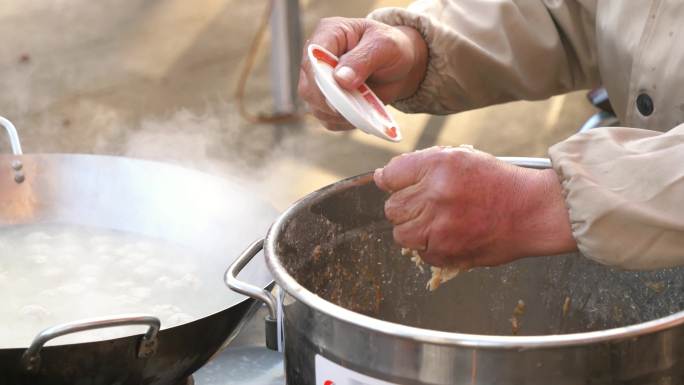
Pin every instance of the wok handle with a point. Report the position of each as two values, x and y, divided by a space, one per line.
147 347
253 291
13 136
16 148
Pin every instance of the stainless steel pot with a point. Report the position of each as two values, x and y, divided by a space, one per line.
141 197
355 311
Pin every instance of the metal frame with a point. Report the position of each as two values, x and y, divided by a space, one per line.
285 54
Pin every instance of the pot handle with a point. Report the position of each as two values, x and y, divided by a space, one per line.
16 148
255 292
147 347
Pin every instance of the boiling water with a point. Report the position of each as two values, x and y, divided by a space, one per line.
51 274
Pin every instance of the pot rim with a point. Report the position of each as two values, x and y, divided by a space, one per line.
292 287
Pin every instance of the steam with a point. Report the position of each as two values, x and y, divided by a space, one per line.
212 139
215 141
208 136
77 92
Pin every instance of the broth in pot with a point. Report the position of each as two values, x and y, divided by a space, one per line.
51 274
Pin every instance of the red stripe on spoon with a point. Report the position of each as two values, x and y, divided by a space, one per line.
375 103
325 58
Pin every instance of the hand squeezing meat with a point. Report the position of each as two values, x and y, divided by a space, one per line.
462 208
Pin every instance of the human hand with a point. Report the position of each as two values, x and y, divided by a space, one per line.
465 208
392 60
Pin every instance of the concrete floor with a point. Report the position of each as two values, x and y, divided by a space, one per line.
155 79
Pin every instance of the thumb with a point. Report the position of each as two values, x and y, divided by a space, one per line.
358 64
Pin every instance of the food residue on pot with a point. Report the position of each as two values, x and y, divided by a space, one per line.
316 253
566 306
518 311
658 287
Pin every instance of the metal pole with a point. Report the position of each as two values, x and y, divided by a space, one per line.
285 54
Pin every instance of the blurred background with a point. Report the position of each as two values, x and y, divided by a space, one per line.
156 79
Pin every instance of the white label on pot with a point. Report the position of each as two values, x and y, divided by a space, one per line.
330 373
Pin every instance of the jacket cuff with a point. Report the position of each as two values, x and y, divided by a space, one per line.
563 166
623 189
425 99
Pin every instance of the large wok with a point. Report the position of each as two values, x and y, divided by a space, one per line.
140 197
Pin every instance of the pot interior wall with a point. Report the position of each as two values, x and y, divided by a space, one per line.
339 246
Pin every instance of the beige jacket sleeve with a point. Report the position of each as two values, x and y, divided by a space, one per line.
494 51
624 188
